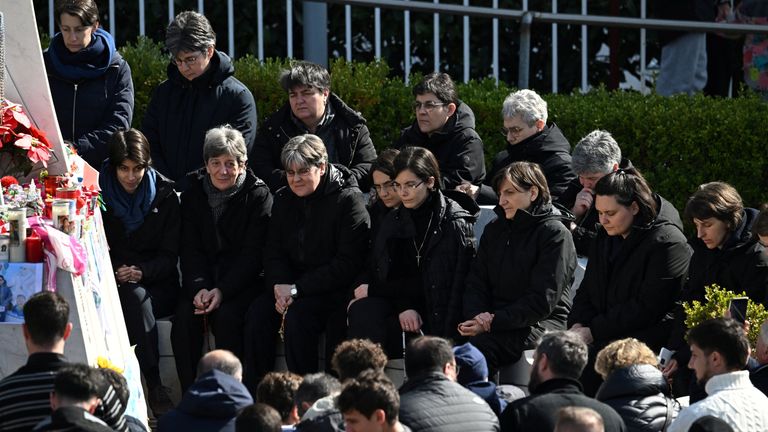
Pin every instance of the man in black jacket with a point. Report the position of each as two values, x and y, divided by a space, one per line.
557 364
445 126
313 108
201 93
530 139
431 400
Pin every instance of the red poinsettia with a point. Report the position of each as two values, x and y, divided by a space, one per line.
25 144
8 180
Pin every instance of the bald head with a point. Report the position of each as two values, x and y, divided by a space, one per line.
223 361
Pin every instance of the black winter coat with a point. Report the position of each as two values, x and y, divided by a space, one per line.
347 130
457 147
523 272
446 259
538 412
182 111
89 111
641 396
586 229
318 242
759 378
630 290
226 255
740 265
548 148
433 403
154 246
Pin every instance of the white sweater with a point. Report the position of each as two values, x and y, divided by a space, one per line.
732 398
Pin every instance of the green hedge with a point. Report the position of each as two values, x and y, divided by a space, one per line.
677 142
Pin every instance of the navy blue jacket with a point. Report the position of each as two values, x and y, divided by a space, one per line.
182 111
211 404
90 110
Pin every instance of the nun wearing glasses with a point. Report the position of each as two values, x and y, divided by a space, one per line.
421 256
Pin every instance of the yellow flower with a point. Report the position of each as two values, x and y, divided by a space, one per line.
104 363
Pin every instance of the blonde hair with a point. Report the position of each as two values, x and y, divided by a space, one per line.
623 353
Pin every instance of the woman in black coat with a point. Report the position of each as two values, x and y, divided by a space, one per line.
141 223
312 108
636 269
635 387
725 252
519 283
90 82
421 256
317 243
225 214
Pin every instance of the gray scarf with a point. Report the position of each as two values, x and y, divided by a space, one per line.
218 199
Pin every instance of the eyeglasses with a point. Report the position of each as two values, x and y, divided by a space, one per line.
428 106
303 172
384 186
410 186
513 130
188 61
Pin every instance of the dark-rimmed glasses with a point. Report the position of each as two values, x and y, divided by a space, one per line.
428 106
513 130
409 186
188 61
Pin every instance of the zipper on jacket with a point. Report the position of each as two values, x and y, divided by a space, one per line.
74 105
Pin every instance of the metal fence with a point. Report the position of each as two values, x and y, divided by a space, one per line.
494 13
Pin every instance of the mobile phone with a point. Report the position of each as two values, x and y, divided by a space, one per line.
738 308
665 356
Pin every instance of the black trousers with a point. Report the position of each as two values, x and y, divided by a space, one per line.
306 320
140 306
187 334
376 319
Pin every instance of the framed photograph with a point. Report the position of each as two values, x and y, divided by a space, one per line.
18 281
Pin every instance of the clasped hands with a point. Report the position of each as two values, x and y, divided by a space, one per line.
206 301
481 323
126 274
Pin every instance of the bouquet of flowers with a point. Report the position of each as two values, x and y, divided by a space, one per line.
22 145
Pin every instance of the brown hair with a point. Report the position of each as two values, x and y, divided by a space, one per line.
86 10
717 200
523 176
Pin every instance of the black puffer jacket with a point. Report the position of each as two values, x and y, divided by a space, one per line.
154 246
457 147
446 259
90 110
641 396
548 148
347 132
740 265
182 111
631 285
318 242
226 255
523 272
432 403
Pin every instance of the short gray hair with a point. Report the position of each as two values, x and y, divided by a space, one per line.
225 140
764 331
221 360
597 152
566 353
303 151
189 31
527 104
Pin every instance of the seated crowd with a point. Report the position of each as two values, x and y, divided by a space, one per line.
272 237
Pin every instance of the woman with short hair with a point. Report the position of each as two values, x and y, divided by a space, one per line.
225 214
312 108
317 243
201 93
141 223
726 252
634 386
90 82
635 273
421 256
519 283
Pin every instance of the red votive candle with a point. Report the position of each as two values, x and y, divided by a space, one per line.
34 248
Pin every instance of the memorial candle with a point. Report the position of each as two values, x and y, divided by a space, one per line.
17 219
